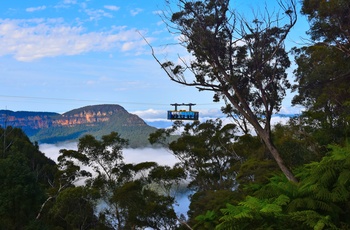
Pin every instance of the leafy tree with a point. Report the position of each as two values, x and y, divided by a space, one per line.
67 175
105 158
128 194
323 70
23 179
74 209
145 207
167 179
322 84
297 147
243 63
256 163
20 194
330 22
212 164
205 152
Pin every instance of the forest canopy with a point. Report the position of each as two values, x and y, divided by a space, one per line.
287 176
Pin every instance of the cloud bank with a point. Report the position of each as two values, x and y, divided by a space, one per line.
31 39
134 156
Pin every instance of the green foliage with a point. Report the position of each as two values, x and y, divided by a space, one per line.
127 191
207 220
205 207
206 154
329 179
296 146
242 63
20 194
114 119
74 209
330 22
260 213
318 201
23 178
313 220
144 207
323 71
323 89
167 179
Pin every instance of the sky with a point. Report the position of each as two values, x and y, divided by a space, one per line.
59 55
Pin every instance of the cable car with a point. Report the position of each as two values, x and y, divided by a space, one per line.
183 114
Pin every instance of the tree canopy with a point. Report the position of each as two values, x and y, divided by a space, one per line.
244 63
230 177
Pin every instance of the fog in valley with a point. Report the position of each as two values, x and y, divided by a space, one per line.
160 155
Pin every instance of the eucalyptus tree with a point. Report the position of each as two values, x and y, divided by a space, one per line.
127 193
23 179
323 70
243 63
205 152
330 22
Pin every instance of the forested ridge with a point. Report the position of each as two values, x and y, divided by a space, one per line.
96 120
246 174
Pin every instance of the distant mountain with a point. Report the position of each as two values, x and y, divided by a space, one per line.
97 120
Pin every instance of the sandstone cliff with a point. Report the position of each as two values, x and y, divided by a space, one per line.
97 120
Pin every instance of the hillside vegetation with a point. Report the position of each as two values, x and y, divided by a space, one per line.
97 120
283 177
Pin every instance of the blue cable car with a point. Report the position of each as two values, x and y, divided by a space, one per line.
183 114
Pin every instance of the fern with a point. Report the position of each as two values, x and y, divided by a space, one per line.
319 201
271 208
282 200
253 210
313 219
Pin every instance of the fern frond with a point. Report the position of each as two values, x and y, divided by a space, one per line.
344 177
340 193
252 203
282 200
313 219
271 208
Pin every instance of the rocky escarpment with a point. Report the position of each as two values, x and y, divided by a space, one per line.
97 120
93 115
30 122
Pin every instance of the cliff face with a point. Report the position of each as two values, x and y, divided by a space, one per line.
22 119
93 115
96 120
89 115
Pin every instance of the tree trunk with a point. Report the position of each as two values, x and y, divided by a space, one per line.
275 154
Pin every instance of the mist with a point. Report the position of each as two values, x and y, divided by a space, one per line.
160 155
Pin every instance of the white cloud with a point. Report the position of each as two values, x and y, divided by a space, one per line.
150 114
28 40
32 9
95 15
157 12
160 155
70 2
112 7
211 113
128 46
136 11
291 110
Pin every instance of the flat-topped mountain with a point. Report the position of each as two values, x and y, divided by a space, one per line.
97 120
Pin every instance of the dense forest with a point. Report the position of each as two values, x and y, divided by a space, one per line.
248 174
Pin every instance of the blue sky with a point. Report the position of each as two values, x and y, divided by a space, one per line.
57 55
